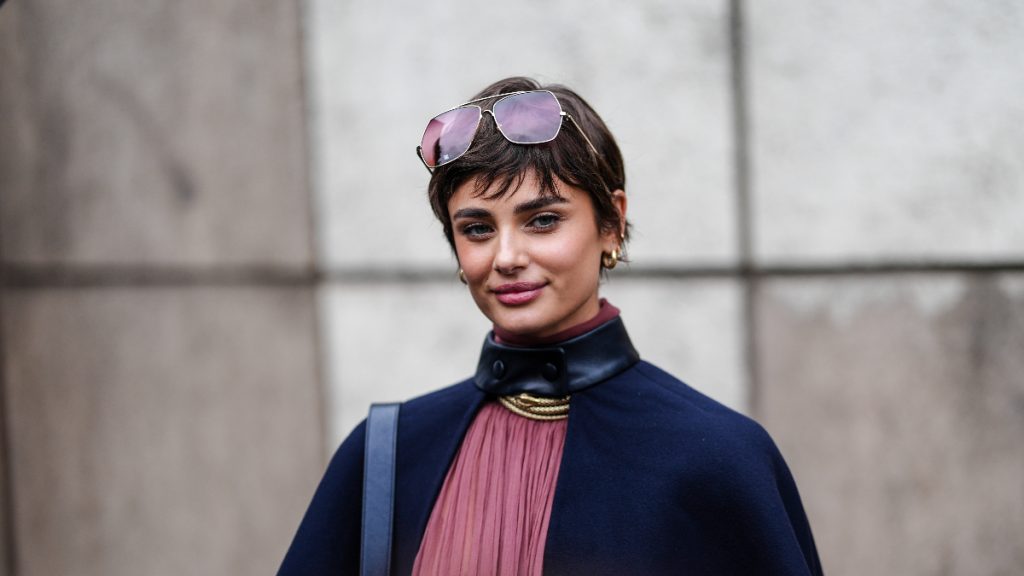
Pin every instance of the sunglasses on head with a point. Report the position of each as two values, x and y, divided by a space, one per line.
525 117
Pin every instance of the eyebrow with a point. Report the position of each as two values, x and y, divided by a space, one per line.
530 206
471 213
540 202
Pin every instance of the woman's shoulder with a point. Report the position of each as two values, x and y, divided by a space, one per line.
459 393
720 464
440 409
680 408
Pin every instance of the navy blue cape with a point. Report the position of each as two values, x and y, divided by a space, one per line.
656 478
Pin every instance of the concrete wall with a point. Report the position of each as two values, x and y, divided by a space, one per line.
214 233
885 148
160 374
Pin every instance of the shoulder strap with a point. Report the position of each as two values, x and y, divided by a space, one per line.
379 489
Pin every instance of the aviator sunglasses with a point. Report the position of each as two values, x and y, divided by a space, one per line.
525 117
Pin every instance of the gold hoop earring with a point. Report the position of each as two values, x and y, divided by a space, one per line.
609 260
462 276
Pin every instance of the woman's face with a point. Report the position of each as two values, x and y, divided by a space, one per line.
532 261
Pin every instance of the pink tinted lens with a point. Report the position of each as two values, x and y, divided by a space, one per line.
529 118
449 135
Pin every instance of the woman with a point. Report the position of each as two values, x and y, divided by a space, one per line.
564 453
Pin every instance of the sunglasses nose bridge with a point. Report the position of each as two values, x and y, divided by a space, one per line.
493 117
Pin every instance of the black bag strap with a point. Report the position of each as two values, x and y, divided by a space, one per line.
379 489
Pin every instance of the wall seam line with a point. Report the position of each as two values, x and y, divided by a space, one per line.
744 222
310 183
6 476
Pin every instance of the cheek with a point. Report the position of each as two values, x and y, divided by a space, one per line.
577 261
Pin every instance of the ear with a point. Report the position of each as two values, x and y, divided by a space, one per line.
614 239
619 199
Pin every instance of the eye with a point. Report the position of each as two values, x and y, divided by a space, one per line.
476 230
545 221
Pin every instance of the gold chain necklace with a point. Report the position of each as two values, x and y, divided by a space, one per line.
536 407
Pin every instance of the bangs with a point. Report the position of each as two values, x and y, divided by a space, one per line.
498 167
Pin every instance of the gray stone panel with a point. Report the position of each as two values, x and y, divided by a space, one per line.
887 130
691 328
160 431
166 133
898 402
656 70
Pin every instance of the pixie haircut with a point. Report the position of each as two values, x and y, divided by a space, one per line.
499 167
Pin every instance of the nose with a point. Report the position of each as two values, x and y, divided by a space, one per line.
511 254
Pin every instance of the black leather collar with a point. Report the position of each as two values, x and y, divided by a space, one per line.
557 370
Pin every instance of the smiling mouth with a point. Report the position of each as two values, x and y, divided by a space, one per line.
518 293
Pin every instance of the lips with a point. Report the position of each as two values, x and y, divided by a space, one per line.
518 293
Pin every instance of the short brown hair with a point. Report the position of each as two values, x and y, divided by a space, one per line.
494 161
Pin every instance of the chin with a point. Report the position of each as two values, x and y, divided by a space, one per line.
521 328
522 322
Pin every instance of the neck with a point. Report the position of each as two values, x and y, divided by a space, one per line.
605 312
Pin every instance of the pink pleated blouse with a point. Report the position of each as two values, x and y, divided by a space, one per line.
492 514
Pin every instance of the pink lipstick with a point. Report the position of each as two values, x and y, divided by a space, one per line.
518 292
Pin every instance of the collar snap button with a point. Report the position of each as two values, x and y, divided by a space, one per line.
498 369
550 372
